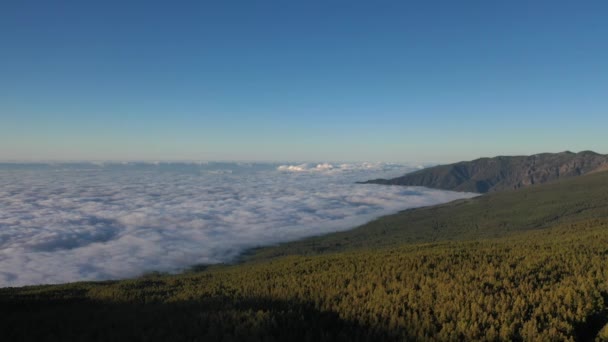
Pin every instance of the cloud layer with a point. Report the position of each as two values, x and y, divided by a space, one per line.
71 222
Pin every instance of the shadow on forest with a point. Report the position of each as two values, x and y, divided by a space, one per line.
589 329
214 319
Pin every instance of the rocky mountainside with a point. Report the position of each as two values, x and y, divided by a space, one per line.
503 172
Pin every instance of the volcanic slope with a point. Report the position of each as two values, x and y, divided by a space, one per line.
503 173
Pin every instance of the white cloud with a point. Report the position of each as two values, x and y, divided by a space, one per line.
340 168
67 223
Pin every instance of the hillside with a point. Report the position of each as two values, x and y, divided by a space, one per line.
549 284
491 215
503 173
525 265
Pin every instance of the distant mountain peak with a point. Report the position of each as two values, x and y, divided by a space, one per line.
503 172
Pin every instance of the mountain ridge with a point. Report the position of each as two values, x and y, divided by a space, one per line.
500 173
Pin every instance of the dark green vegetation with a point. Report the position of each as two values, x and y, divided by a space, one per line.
503 173
529 264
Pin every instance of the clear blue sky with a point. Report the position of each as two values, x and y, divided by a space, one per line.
301 80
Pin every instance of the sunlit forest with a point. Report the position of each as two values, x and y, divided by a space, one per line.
533 270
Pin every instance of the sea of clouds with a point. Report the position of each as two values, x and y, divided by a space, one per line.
93 221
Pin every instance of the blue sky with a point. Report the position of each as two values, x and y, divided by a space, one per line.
301 80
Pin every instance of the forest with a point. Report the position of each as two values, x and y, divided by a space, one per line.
523 265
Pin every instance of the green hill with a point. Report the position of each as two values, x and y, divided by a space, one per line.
491 215
503 173
529 264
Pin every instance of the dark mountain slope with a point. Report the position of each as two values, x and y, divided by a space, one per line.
503 173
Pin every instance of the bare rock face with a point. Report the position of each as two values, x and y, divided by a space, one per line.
503 172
